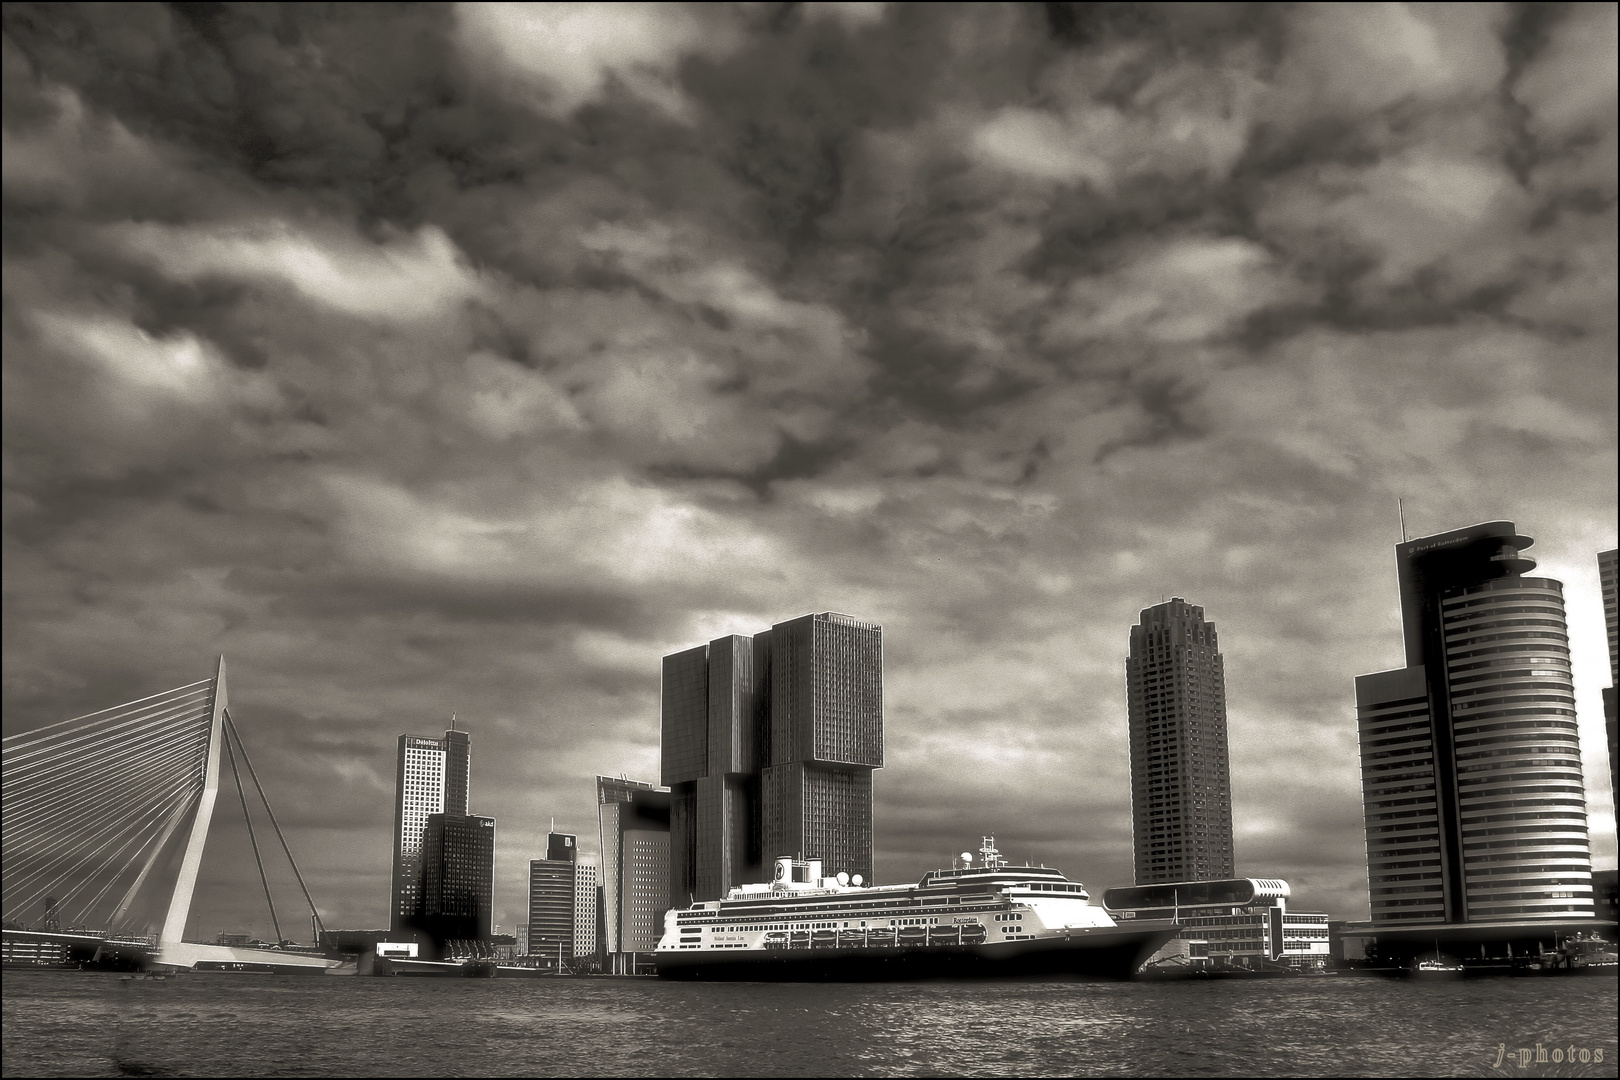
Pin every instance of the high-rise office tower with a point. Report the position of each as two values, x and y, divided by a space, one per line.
587 890
552 882
458 878
769 743
633 819
613 795
1470 757
643 871
1609 574
431 779
1181 780
714 716
826 738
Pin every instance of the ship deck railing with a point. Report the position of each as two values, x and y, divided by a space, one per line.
882 937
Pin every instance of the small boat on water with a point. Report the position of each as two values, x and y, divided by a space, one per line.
1436 966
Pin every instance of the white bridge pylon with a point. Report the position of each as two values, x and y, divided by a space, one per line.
92 804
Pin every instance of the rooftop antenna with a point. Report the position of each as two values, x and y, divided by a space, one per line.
1400 508
452 721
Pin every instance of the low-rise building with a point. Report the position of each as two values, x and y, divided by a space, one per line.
1232 922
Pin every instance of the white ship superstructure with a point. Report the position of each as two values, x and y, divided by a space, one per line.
981 915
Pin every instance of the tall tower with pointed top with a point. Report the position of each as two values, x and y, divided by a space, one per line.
431 778
1181 781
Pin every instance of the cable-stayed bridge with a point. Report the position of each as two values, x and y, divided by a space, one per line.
104 823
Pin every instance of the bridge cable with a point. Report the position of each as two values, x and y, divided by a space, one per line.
106 732
181 808
59 811
152 826
313 910
254 840
64 757
98 712
73 870
33 841
93 798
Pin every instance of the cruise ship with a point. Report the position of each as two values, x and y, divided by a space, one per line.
984 920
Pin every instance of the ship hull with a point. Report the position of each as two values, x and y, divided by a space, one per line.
1090 954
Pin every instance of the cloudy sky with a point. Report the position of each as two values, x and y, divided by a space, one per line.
468 359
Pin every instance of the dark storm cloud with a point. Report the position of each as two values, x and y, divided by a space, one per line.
465 359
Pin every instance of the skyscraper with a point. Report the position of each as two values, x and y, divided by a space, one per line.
714 714
458 879
826 737
769 743
431 778
633 818
1470 757
1609 574
1181 783
643 871
613 795
552 882
587 889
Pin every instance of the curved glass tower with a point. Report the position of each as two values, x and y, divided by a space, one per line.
1471 771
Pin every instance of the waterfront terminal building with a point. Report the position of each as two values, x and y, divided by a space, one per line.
1474 799
1232 923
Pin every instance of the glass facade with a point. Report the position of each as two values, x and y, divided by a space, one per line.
551 908
635 820
586 888
1471 773
823 812
827 691
1181 786
551 899
685 717
613 802
791 729
458 879
1398 793
431 778
646 889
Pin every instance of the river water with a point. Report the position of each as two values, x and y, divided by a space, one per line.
59 1023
